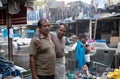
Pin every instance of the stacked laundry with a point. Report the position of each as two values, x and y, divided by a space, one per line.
78 74
7 68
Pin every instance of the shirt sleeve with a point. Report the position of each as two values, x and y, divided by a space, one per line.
33 49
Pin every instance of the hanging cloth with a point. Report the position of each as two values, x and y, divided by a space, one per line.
13 7
80 54
1 4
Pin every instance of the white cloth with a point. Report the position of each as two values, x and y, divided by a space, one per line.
60 68
74 46
87 57
1 4
11 33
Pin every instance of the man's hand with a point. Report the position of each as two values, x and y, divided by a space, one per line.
35 77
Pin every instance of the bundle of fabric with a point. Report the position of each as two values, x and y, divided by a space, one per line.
7 68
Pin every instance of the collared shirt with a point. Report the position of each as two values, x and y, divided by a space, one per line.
45 55
59 45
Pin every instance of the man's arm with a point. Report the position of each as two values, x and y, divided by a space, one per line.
32 66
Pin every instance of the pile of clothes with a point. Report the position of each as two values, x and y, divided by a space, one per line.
7 68
76 74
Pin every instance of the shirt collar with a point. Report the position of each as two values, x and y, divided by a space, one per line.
43 36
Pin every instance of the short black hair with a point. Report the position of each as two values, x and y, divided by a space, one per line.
40 22
64 24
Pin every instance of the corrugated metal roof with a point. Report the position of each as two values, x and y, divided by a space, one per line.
5 1
107 16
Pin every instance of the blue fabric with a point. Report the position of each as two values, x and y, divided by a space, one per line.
7 68
80 54
102 41
5 32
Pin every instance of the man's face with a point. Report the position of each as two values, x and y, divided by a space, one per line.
45 28
61 31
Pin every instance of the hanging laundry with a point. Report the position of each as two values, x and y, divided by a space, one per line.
80 54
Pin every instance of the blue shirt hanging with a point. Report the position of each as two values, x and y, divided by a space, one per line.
80 54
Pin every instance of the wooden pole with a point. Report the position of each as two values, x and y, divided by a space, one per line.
90 29
8 22
77 29
95 29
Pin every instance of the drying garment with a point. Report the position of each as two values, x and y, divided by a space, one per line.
80 54
14 7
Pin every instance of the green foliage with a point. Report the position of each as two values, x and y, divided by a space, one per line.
26 73
42 2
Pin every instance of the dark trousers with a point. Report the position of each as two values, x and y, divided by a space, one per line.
46 77
88 64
